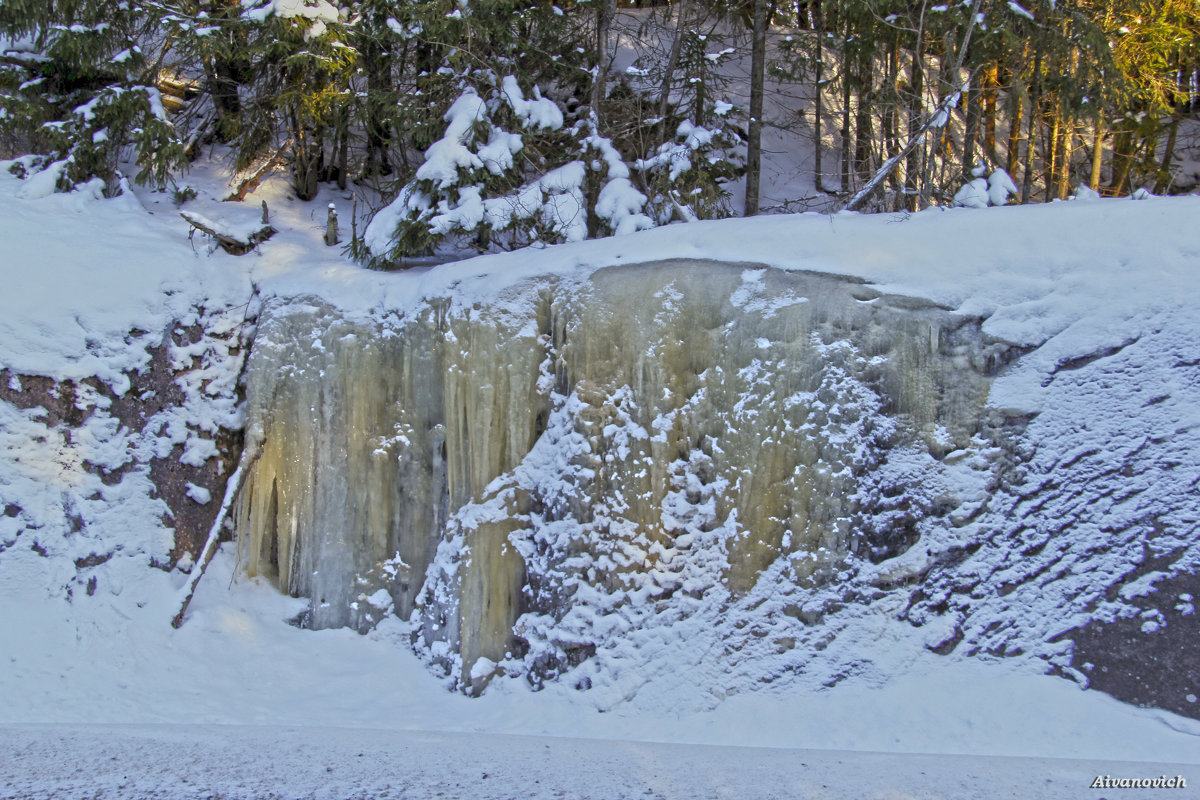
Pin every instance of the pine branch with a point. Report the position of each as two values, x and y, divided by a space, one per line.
31 63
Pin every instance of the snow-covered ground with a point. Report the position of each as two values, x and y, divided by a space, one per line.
99 696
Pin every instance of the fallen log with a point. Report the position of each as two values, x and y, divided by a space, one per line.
233 242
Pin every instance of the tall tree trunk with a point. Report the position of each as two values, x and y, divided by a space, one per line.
1035 99
971 129
664 91
991 82
1067 135
847 153
1122 160
912 165
1163 184
890 120
1097 154
1054 148
378 62
305 160
604 14
1013 150
343 150
758 68
818 105
863 127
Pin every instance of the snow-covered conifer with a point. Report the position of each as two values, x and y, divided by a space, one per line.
299 99
76 88
687 175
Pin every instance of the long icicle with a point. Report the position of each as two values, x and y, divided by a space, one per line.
250 454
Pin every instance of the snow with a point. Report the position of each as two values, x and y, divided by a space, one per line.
540 112
1020 10
75 288
345 764
88 677
198 493
319 11
447 155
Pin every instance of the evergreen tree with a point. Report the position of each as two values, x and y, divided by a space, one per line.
687 176
300 69
505 174
76 88
506 167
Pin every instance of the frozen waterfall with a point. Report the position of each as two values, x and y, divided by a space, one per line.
536 479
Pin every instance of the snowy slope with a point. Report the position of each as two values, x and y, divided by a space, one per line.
1068 279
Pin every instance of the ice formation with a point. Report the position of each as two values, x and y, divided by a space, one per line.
580 463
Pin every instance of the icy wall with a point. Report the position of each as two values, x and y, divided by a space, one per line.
577 468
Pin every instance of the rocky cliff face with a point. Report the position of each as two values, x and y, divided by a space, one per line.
541 481
104 479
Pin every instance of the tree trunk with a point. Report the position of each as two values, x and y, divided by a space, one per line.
890 119
378 62
1097 154
912 166
1013 151
343 151
306 163
847 154
818 105
1122 161
1035 98
664 91
971 129
1067 129
1054 148
991 82
225 75
863 129
762 10
1163 184
604 15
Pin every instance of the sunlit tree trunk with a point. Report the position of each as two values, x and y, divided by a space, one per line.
1097 154
1163 184
1035 98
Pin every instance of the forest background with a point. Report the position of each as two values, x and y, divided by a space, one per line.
482 125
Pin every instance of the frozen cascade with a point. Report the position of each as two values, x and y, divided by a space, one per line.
585 465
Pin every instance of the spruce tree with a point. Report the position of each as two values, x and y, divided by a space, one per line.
76 88
301 63
496 108
687 175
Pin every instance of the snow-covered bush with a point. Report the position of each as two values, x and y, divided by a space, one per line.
983 192
687 176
